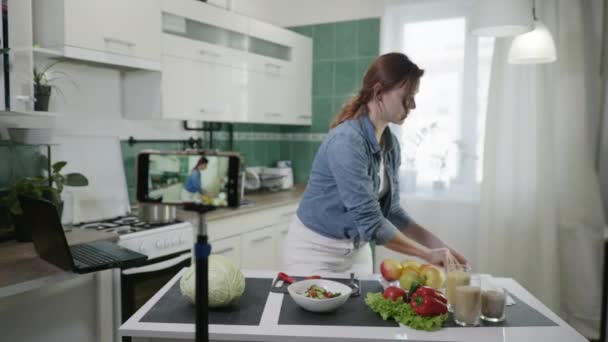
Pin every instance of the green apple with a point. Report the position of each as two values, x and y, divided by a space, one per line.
408 277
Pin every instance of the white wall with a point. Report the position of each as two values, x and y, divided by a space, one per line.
288 13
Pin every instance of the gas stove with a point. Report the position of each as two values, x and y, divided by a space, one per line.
152 239
122 225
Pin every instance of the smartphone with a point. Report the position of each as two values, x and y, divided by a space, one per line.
208 178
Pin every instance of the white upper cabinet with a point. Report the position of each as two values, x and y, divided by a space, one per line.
280 62
246 70
119 32
204 59
21 61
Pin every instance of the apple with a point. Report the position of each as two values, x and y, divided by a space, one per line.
408 277
410 268
432 275
390 269
394 292
407 262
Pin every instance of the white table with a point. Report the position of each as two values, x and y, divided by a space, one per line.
270 330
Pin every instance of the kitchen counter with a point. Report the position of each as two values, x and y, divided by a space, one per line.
269 328
259 201
22 270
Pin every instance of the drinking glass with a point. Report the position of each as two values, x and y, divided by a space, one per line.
493 300
466 303
457 275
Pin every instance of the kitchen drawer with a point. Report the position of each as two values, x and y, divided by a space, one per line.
240 224
229 247
259 249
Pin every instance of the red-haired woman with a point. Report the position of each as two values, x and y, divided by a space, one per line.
193 187
352 195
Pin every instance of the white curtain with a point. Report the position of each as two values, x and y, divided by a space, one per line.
541 218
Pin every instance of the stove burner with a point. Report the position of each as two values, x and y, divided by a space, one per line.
122 225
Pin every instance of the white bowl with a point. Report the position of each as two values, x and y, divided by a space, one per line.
297 289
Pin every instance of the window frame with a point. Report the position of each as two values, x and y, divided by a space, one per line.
398 13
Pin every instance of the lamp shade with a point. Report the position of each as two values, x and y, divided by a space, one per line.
534 47
500 18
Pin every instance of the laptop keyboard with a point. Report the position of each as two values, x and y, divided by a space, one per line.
89 255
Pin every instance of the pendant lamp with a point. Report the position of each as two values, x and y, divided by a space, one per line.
534 47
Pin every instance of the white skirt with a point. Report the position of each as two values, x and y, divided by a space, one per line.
307 252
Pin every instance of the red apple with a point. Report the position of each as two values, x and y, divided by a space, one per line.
394 292
391 269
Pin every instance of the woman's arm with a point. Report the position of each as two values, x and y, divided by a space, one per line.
419 242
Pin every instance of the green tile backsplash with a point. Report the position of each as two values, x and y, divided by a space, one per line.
342 52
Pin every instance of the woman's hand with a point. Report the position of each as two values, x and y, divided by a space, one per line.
440 256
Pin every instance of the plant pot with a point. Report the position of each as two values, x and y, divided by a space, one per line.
42 93
23 225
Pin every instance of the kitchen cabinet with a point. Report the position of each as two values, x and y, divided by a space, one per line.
280 62
21 60
281 232
246 70
230 248
193 88
101 31
259 248
253 240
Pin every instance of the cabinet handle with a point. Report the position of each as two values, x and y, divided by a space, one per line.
25 98
273 68
284 231
207 110
273 115
260 239
119 41
304 116
289 214
225 250
209 53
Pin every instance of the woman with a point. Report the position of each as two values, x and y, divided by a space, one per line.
193 188
352 195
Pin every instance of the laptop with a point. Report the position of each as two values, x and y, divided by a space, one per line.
52 246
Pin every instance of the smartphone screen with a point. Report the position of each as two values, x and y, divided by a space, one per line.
176 178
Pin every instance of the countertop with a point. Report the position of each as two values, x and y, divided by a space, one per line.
269 329
22 270
259 201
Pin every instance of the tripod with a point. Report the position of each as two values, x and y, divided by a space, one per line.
202 249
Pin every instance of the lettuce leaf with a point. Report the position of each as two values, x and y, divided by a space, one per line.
402 313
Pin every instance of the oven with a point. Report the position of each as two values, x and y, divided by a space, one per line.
139 284
168 247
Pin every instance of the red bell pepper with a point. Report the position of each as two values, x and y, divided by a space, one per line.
427 301
432 292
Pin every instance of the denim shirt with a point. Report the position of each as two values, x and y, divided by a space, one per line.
341 197
193 182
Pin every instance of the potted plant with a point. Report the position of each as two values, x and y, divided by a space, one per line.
48 188
43 86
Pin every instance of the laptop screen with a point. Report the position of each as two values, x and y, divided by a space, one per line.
47 232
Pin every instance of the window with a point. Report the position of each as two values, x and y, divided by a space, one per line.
442 140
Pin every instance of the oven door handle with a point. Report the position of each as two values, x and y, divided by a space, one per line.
158 266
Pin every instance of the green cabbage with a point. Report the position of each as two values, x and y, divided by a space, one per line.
226 282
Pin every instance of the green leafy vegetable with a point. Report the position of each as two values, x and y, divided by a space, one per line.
402 313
